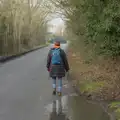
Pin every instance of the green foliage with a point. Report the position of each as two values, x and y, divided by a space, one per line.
97 20
116 105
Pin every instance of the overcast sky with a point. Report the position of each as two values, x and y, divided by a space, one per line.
56 22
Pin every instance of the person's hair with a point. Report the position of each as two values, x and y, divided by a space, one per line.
57 43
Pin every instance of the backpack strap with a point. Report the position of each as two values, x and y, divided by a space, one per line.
51 53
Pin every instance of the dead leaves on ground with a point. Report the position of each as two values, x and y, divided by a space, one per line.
106 71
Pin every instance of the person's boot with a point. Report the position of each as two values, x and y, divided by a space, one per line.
59 93
54 92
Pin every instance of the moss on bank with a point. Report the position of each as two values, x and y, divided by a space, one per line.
116 107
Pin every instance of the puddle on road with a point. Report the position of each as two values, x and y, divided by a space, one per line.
74 108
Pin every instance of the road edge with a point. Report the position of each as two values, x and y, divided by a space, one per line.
12 57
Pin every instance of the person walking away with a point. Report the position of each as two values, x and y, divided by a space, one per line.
57 65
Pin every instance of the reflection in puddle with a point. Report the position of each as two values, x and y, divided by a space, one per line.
56 112
74 108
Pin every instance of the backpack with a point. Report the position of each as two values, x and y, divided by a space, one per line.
56 57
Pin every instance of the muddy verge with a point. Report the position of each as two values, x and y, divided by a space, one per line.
104 96
94 100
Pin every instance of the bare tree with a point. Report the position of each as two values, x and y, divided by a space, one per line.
22 24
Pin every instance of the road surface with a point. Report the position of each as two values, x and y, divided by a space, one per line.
26 91
24 87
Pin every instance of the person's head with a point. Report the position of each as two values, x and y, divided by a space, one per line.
57 44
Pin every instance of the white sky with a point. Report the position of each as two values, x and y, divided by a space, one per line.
56 22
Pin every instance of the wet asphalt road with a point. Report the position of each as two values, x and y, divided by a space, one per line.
26 93
25 88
